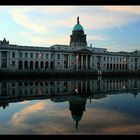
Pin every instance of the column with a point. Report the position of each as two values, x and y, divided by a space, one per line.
33 64
76 84
76 62
39 65
90 62
8 59
63 61
22 64
81 84
44 65
68 61
48 64
86 61
86 85
81 61
90 85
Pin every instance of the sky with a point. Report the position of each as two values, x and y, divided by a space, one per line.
116 28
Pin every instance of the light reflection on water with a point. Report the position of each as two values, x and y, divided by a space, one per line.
70 106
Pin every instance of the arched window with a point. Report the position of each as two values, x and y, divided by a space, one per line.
31 64
117 66
36 65
114 65
107 66
123 66
51 65
26 64
20 65
126 67
46 65
111 66
120 66
42 64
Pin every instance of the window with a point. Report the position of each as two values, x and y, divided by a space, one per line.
47 56
58 56
13 55
107 58
13 84
104 66
114 58
92 58
40 55
51 56
36 55
13 92
20 54
13 63
51 83
110 58
26 55
58 63
31 55
104 58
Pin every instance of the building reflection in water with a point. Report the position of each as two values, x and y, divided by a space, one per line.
75 91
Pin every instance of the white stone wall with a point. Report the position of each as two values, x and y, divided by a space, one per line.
59 63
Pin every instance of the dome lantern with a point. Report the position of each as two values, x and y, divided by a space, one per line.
78 26
78 38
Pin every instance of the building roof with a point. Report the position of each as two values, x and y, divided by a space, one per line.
78 27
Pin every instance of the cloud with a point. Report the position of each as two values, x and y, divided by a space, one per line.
48 25
98 37
20 16
53 118
42 40
21 116
57 121
124 9
65 16
118 46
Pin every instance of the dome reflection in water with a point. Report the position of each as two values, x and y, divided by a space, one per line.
70 106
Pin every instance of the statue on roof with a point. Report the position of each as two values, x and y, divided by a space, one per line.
4 42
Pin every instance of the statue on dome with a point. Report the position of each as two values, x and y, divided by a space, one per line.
78 20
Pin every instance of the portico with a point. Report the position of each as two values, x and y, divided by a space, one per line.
83 59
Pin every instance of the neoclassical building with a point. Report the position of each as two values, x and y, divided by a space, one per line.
75 56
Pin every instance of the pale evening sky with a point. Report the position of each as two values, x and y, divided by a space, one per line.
116 28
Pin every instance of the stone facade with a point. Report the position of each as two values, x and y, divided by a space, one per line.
76 56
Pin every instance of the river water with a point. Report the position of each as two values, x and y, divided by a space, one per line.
99 105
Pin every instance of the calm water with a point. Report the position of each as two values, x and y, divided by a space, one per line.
70 106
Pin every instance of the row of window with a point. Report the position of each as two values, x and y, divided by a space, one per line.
58 89
51 83
41 56
121 59
37 55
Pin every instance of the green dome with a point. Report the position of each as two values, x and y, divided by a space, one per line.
76 118
78 27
